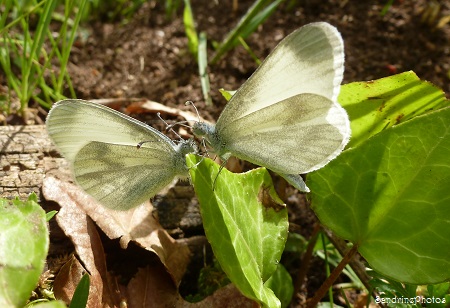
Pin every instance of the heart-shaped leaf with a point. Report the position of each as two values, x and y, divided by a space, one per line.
390 196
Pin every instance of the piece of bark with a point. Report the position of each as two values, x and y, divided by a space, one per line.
23 163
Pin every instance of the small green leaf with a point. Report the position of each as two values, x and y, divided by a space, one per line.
295 243
24 242
376 105
227 94
390 196
50 215
81 294
245 222
439 290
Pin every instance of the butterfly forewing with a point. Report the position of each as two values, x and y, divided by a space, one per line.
309 60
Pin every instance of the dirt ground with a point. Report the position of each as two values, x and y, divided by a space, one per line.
147 57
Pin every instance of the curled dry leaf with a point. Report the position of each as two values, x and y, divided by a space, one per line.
187 115
81 230
67 281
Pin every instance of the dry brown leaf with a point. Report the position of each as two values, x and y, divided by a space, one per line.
228 296
136 225
67 279
188 116
152 287
81 230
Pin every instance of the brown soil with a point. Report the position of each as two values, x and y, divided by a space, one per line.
148 56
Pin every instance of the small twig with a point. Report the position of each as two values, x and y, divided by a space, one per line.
306 260
314 301
356 263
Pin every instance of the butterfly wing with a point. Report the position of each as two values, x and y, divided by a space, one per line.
285 116
309 60
292 136
101 145
73 123
124 176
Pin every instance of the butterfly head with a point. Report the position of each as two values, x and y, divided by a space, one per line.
187 147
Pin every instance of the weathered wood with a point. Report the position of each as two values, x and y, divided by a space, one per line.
26 153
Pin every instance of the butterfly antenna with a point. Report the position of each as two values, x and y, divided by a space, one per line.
199 162
139 145
195 108
168 126
220 170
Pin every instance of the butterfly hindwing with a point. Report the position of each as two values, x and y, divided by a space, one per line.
292 136
122 176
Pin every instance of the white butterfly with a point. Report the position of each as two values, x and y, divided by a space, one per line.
285 116
118 160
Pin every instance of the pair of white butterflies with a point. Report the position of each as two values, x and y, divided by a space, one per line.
284 117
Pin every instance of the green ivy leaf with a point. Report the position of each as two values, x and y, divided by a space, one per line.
24 242
390 196
245 222
376 105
